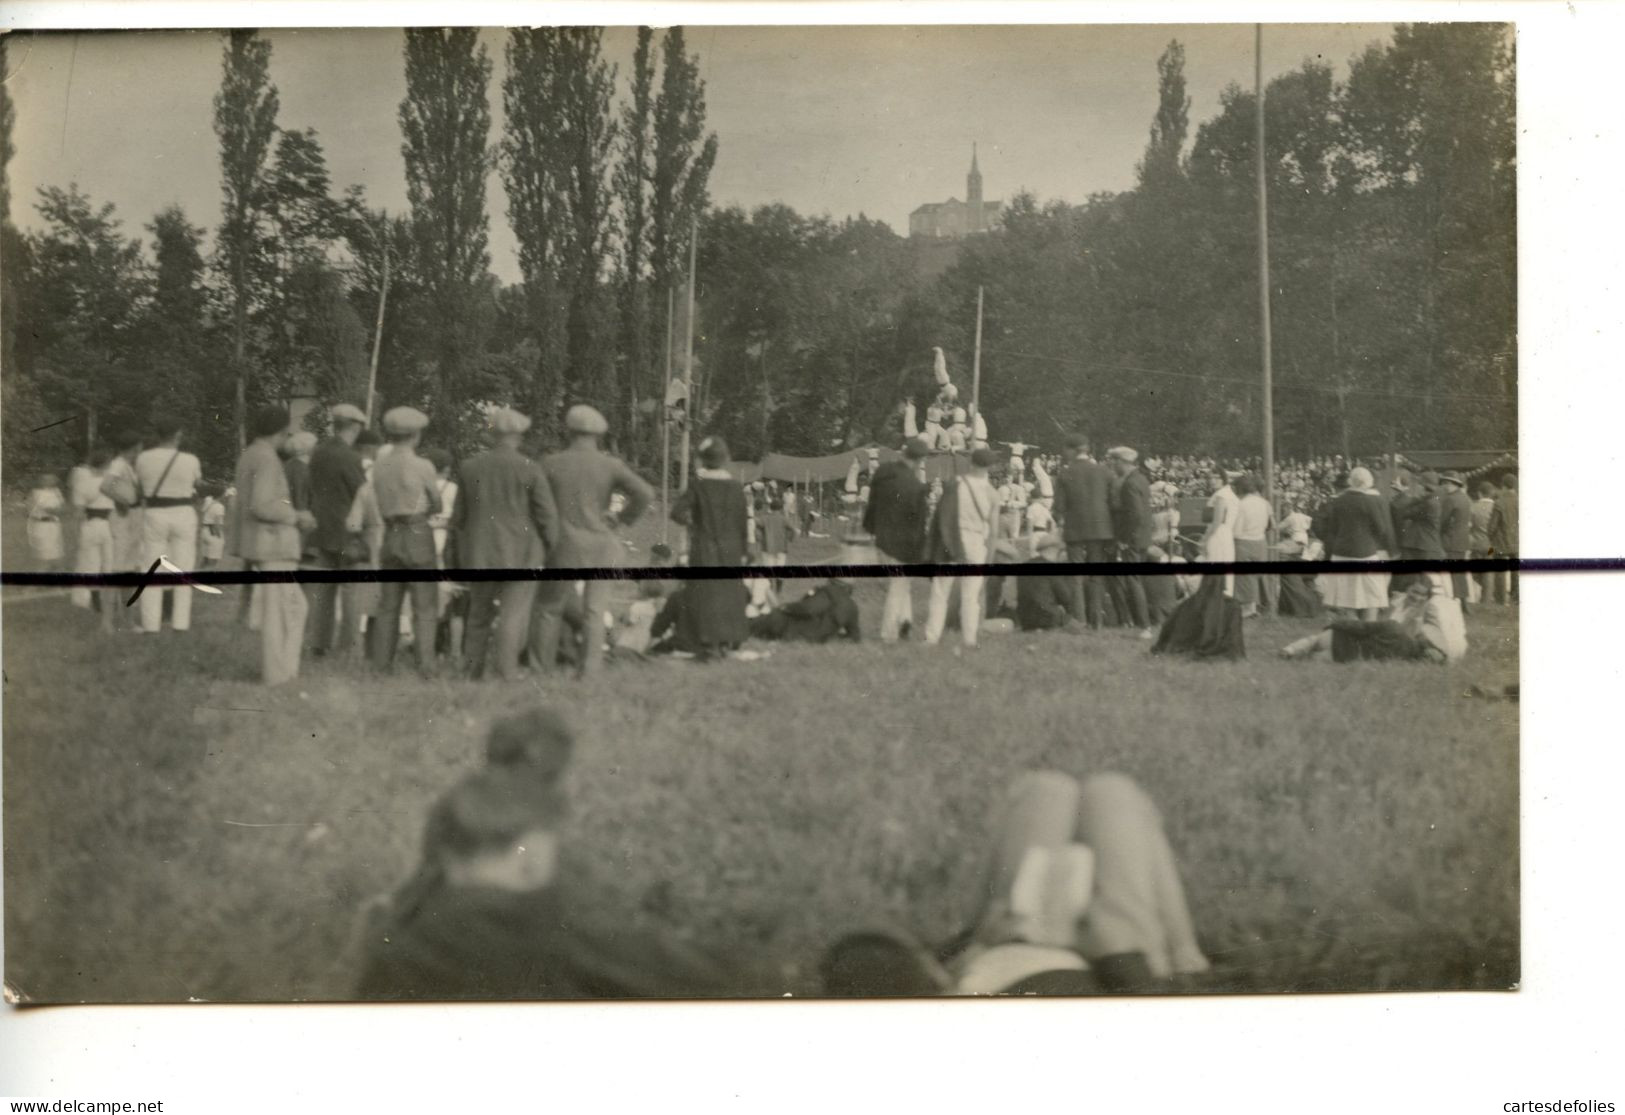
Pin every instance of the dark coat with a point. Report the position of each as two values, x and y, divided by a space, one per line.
1083 502
1416 523
713 510
1355 525
896 514
825 613
1044 600
1456 521
1133 511
480 943
1207 625
1504 523
505 517
336 476
944 543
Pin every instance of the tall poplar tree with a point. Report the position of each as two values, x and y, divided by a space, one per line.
245 120
632 178
445 124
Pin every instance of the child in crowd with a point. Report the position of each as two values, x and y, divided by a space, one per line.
45 506
211 527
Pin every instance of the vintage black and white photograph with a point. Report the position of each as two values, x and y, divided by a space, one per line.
385 411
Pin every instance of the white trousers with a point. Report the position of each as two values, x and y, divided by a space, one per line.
172 533
970 596
95 555
899 606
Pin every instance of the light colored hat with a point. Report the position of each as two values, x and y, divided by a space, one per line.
583 419
404 420
506 420
346 412
1124 453
1360 479
302 442
1452 477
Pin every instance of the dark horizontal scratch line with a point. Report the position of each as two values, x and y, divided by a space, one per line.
805 572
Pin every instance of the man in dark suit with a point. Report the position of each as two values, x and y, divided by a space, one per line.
896 517
1504 534
1131 514
1456 528
505 518
1415 508
1083 506
335 476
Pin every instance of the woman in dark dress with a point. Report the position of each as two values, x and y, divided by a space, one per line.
713 510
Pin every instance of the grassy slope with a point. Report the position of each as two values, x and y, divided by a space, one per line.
173 829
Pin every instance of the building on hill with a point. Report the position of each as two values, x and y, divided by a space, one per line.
954 219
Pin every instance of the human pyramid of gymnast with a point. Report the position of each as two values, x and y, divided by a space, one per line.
355 501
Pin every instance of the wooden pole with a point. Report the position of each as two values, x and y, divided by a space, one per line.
976 368
1264 267
688 359
665 424
378 329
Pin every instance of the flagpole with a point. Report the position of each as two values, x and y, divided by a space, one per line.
1264 267
976 369
665 425
378 330
688 360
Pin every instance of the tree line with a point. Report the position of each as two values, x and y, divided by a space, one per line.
1134 316
303 279
1131 316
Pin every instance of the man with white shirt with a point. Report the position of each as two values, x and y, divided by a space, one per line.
96 548
965 530
168 479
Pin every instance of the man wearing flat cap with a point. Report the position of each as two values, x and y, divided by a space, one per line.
1456 528
1131 519
584 480
504 518
336 474
404 485
896 515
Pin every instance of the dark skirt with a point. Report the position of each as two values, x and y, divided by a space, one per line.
1298 596
1207 625
1356 641
717 613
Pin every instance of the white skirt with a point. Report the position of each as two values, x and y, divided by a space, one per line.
1355 590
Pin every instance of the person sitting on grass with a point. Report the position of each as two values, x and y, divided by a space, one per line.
1082 896
1045 601
1424 625
1207 624
488 914
827 612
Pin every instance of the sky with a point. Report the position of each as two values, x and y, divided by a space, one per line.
828 120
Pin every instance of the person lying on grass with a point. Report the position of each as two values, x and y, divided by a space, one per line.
487 915
827 612
1082 896
1423 625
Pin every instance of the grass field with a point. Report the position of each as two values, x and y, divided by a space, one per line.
174 830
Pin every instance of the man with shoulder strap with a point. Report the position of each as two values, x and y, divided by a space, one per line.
404 485
167 480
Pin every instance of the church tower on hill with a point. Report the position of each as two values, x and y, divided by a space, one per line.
973 194
954 219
